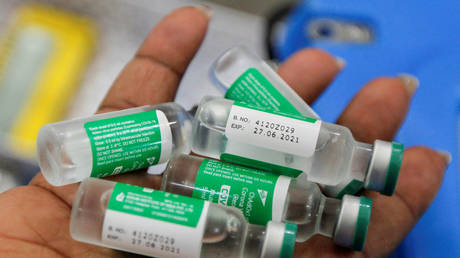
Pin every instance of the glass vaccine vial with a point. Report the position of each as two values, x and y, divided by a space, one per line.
263 197
112 143
155 223
245 77
290 144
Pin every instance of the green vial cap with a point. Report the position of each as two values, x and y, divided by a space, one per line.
353 222
279 240
362 223
391 179
290 234
383 172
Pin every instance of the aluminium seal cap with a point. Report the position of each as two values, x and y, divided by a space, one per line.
384 166
351 228
279 240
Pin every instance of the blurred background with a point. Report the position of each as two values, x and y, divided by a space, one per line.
58 58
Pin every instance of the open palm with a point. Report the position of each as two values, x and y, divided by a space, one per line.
34 219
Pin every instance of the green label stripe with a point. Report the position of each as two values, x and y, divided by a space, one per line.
268 110
393 169
124 143
286 171
351 188
362 224
252 87
247 189
157 205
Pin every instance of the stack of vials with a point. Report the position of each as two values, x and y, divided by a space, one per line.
270 164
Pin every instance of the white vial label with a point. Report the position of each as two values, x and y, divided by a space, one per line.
154 223
285 133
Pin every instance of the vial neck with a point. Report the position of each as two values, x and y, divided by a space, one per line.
328 216
254 241
362 155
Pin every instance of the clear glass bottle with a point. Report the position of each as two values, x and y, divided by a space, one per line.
243 76
234 73
218 232
265 196
112 143
289 144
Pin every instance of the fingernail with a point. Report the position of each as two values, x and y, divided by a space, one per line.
446 155
341 63
205 9
410 82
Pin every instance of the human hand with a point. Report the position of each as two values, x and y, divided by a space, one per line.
34 219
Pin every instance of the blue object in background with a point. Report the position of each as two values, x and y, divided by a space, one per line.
416 37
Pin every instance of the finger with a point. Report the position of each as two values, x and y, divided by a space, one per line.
310 71
379 108
154 73
393 217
